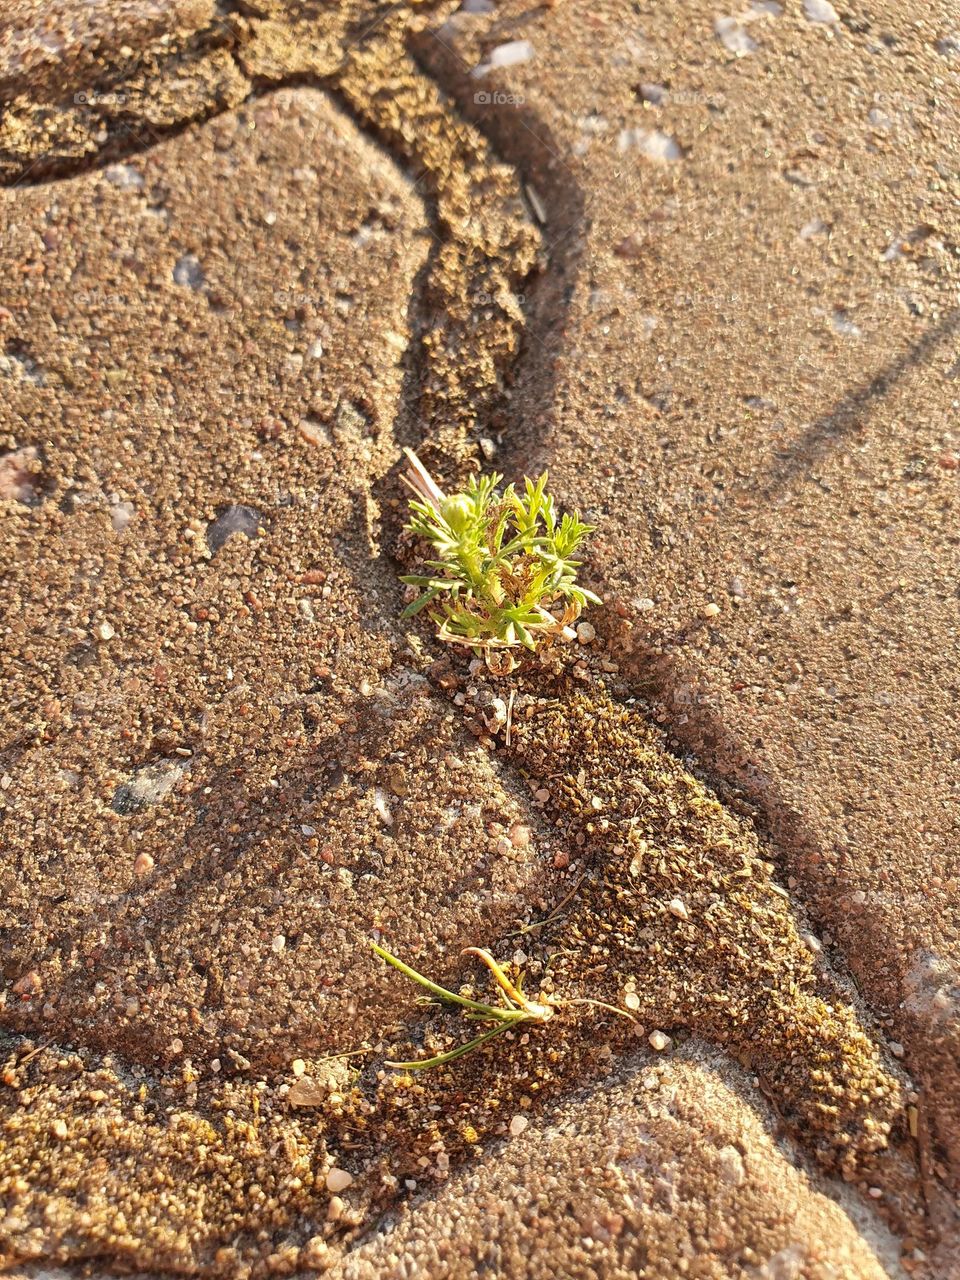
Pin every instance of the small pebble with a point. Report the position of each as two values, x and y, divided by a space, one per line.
18 482
338 1180
306 1092
732 1168
148 785
234 519
143 864
383 810
710 610
59 1129
632 1001
120 515
105 631
519 835
659 1040
820 11
734 36
676 908
314 433
510 54
644 604
124 176
316 1254
298 1066
188 271
657 147
655 94
517 1126
336 1207
586 633
30 984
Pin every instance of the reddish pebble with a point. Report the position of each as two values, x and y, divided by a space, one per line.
519 835
143 864
949 461
29 985
561 859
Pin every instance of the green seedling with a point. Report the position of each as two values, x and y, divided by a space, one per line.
514 1009
504 575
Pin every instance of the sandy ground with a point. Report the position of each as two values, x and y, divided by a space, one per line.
704 267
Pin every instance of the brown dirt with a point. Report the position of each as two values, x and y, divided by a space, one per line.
227 764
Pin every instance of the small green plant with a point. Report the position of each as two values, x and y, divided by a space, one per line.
516 1008
504 561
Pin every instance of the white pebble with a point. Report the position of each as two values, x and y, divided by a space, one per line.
105 631
815 227
734 36
338 1180
710 610
659 1040
120 515
820 11
124 176
382 808
732 1168
658 147
517 1126
510 54
676 908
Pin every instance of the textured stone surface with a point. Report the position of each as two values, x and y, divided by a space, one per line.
734 274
